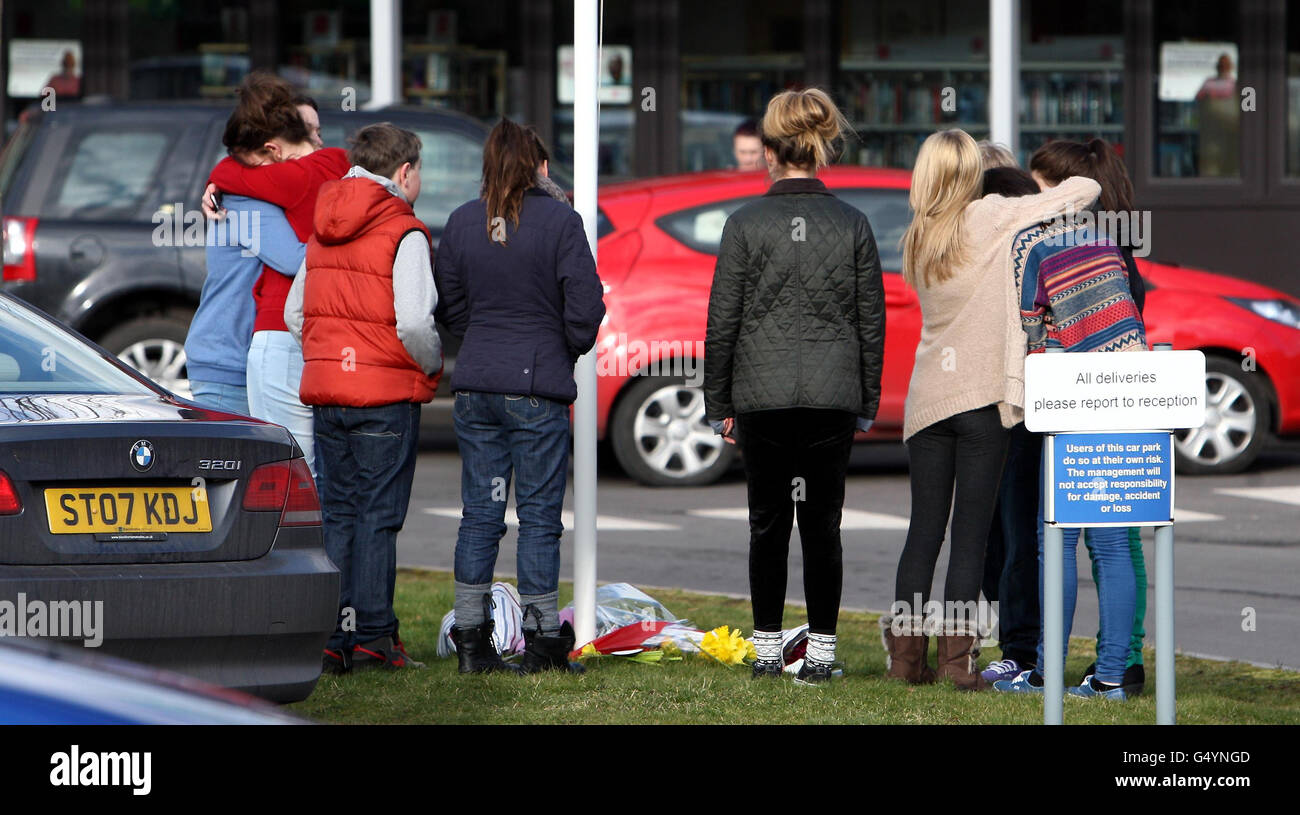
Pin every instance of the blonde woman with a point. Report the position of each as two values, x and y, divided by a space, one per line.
967 389
792 367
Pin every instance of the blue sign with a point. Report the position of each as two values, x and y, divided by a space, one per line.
1109 479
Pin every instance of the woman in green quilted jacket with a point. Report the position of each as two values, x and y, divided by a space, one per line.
792 367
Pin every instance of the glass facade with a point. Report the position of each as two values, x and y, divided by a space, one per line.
734 57
1292 79
899 68
907 69
1197 100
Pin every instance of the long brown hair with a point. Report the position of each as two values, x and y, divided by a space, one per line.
266 110
512 155
1059 160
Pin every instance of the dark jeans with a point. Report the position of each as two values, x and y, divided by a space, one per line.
365 458
1011 563
965 450
503 436
780 446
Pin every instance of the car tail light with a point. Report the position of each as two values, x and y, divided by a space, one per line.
19 248
285 487
303 507
10 503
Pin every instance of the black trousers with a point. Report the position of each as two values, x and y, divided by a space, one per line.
795 461
965 451
1011 562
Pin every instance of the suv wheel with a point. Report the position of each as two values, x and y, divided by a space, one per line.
661 437
1237 422
154 346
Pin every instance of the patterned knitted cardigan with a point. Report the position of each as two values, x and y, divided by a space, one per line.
1074 290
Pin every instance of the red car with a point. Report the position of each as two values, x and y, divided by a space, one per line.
657 248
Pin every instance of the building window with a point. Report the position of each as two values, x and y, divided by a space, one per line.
735 56
909 68
1198 98
1072 73
1293 88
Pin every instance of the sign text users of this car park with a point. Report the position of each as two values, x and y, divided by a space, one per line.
1137 390
1109 479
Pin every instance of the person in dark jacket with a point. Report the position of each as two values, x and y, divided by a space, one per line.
1050 165
516 279
792 366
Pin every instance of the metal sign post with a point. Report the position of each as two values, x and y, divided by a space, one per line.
1096 474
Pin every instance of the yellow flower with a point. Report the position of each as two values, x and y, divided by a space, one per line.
727 646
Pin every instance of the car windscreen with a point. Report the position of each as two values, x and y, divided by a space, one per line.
700 227
451 166
38 356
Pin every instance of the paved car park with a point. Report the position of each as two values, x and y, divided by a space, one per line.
1238 544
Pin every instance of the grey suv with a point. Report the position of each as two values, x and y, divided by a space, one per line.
101 220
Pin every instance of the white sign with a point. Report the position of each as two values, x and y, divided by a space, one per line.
1138 390
32 63
1185 66
615 75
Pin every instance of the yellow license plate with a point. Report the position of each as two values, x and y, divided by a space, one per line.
127 509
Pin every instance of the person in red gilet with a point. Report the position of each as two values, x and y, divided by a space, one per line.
363 307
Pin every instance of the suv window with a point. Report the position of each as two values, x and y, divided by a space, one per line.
108 174
13 152
451 164
700 228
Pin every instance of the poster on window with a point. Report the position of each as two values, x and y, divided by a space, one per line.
1191 70
615 75
38 64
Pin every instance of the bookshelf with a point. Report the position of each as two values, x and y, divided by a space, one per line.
469 80
741 84
895 105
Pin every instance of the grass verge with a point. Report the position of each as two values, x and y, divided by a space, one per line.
697 690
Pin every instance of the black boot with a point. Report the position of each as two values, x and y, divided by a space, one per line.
548 652
474 649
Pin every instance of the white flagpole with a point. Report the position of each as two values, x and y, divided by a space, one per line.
586 129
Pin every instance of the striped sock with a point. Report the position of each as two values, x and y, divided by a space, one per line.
767 646
821 649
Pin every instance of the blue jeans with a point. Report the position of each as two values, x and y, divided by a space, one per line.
367 463
220 396
1116 592
274 374
501 436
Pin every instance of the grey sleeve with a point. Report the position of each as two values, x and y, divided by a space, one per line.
414 299
293 303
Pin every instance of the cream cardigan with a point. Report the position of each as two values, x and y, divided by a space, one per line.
972 349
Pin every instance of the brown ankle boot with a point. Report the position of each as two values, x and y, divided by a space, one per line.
906 652
958 653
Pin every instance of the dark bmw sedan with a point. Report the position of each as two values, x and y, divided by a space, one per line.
150 528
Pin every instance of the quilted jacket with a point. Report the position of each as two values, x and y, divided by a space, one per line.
797 308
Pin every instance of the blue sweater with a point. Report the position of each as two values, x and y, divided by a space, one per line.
253 233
